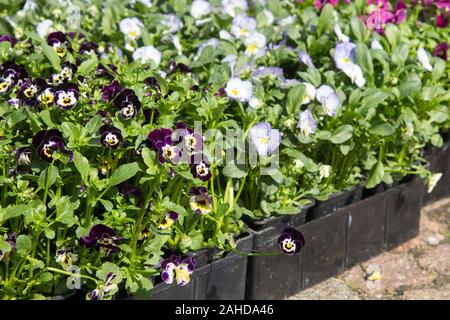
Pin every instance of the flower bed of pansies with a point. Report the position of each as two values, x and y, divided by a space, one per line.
107 177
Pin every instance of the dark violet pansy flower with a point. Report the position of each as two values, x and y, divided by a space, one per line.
8 38
101 71
111 90
291 241
200 201
110 136
29 91
11 74
193 141
128 104
87 47
103 238
23 156
47 142
178 269
200 169
66 95
11 239
58 41
161 140
107 288
441 50
66 257
148 113
181 67
131 191
168 220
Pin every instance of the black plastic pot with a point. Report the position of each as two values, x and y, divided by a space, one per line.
216 279
277 276
336 201
403 212
366 228
439 161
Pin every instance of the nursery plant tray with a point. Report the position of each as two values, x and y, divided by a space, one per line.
216 279
439 161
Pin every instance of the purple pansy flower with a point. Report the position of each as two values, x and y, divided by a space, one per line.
329 100
291 241
264 138
8 38
111 90
66 95
200 201
129 191
59 42
11 74
110 136
305 58
178 269
193 141
306 123
161 140
11 239
46 142
103 238
107 288
200 169
168 220
128 104
344 54
441 50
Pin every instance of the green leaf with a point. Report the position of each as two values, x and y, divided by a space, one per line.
376 175
14 211
358 29
364 58
123 173
234 171
107 204
23 245
326 19
342 134
5 246
411 85
383 129
86 67
93 125
52 56
309 164
400 54
49 175
176 207
82 165
294 98
65 208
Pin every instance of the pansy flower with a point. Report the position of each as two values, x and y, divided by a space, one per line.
264 138
110 136
161 140
66 95
441 50
131 191
29 90
242 26
88 47
105 167
200 201
422 57
8 38
66 258
168 220
255 43
344 54
201 170
291 241
105 289
11 238
58 41
46 142
178 269
103 238
306 123
11 74
111 90
128 104
329 100
193 141
238 89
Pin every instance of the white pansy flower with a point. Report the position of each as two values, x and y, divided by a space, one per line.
422 56
286 21
43 28
324 171
225 35
147 53
177 44
329 100
256 43
310 93
243 26
131 27
254 103
269 17
342 37
375 44
306 123
231 7
200 8
238 89
354 72
433 180
172 22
